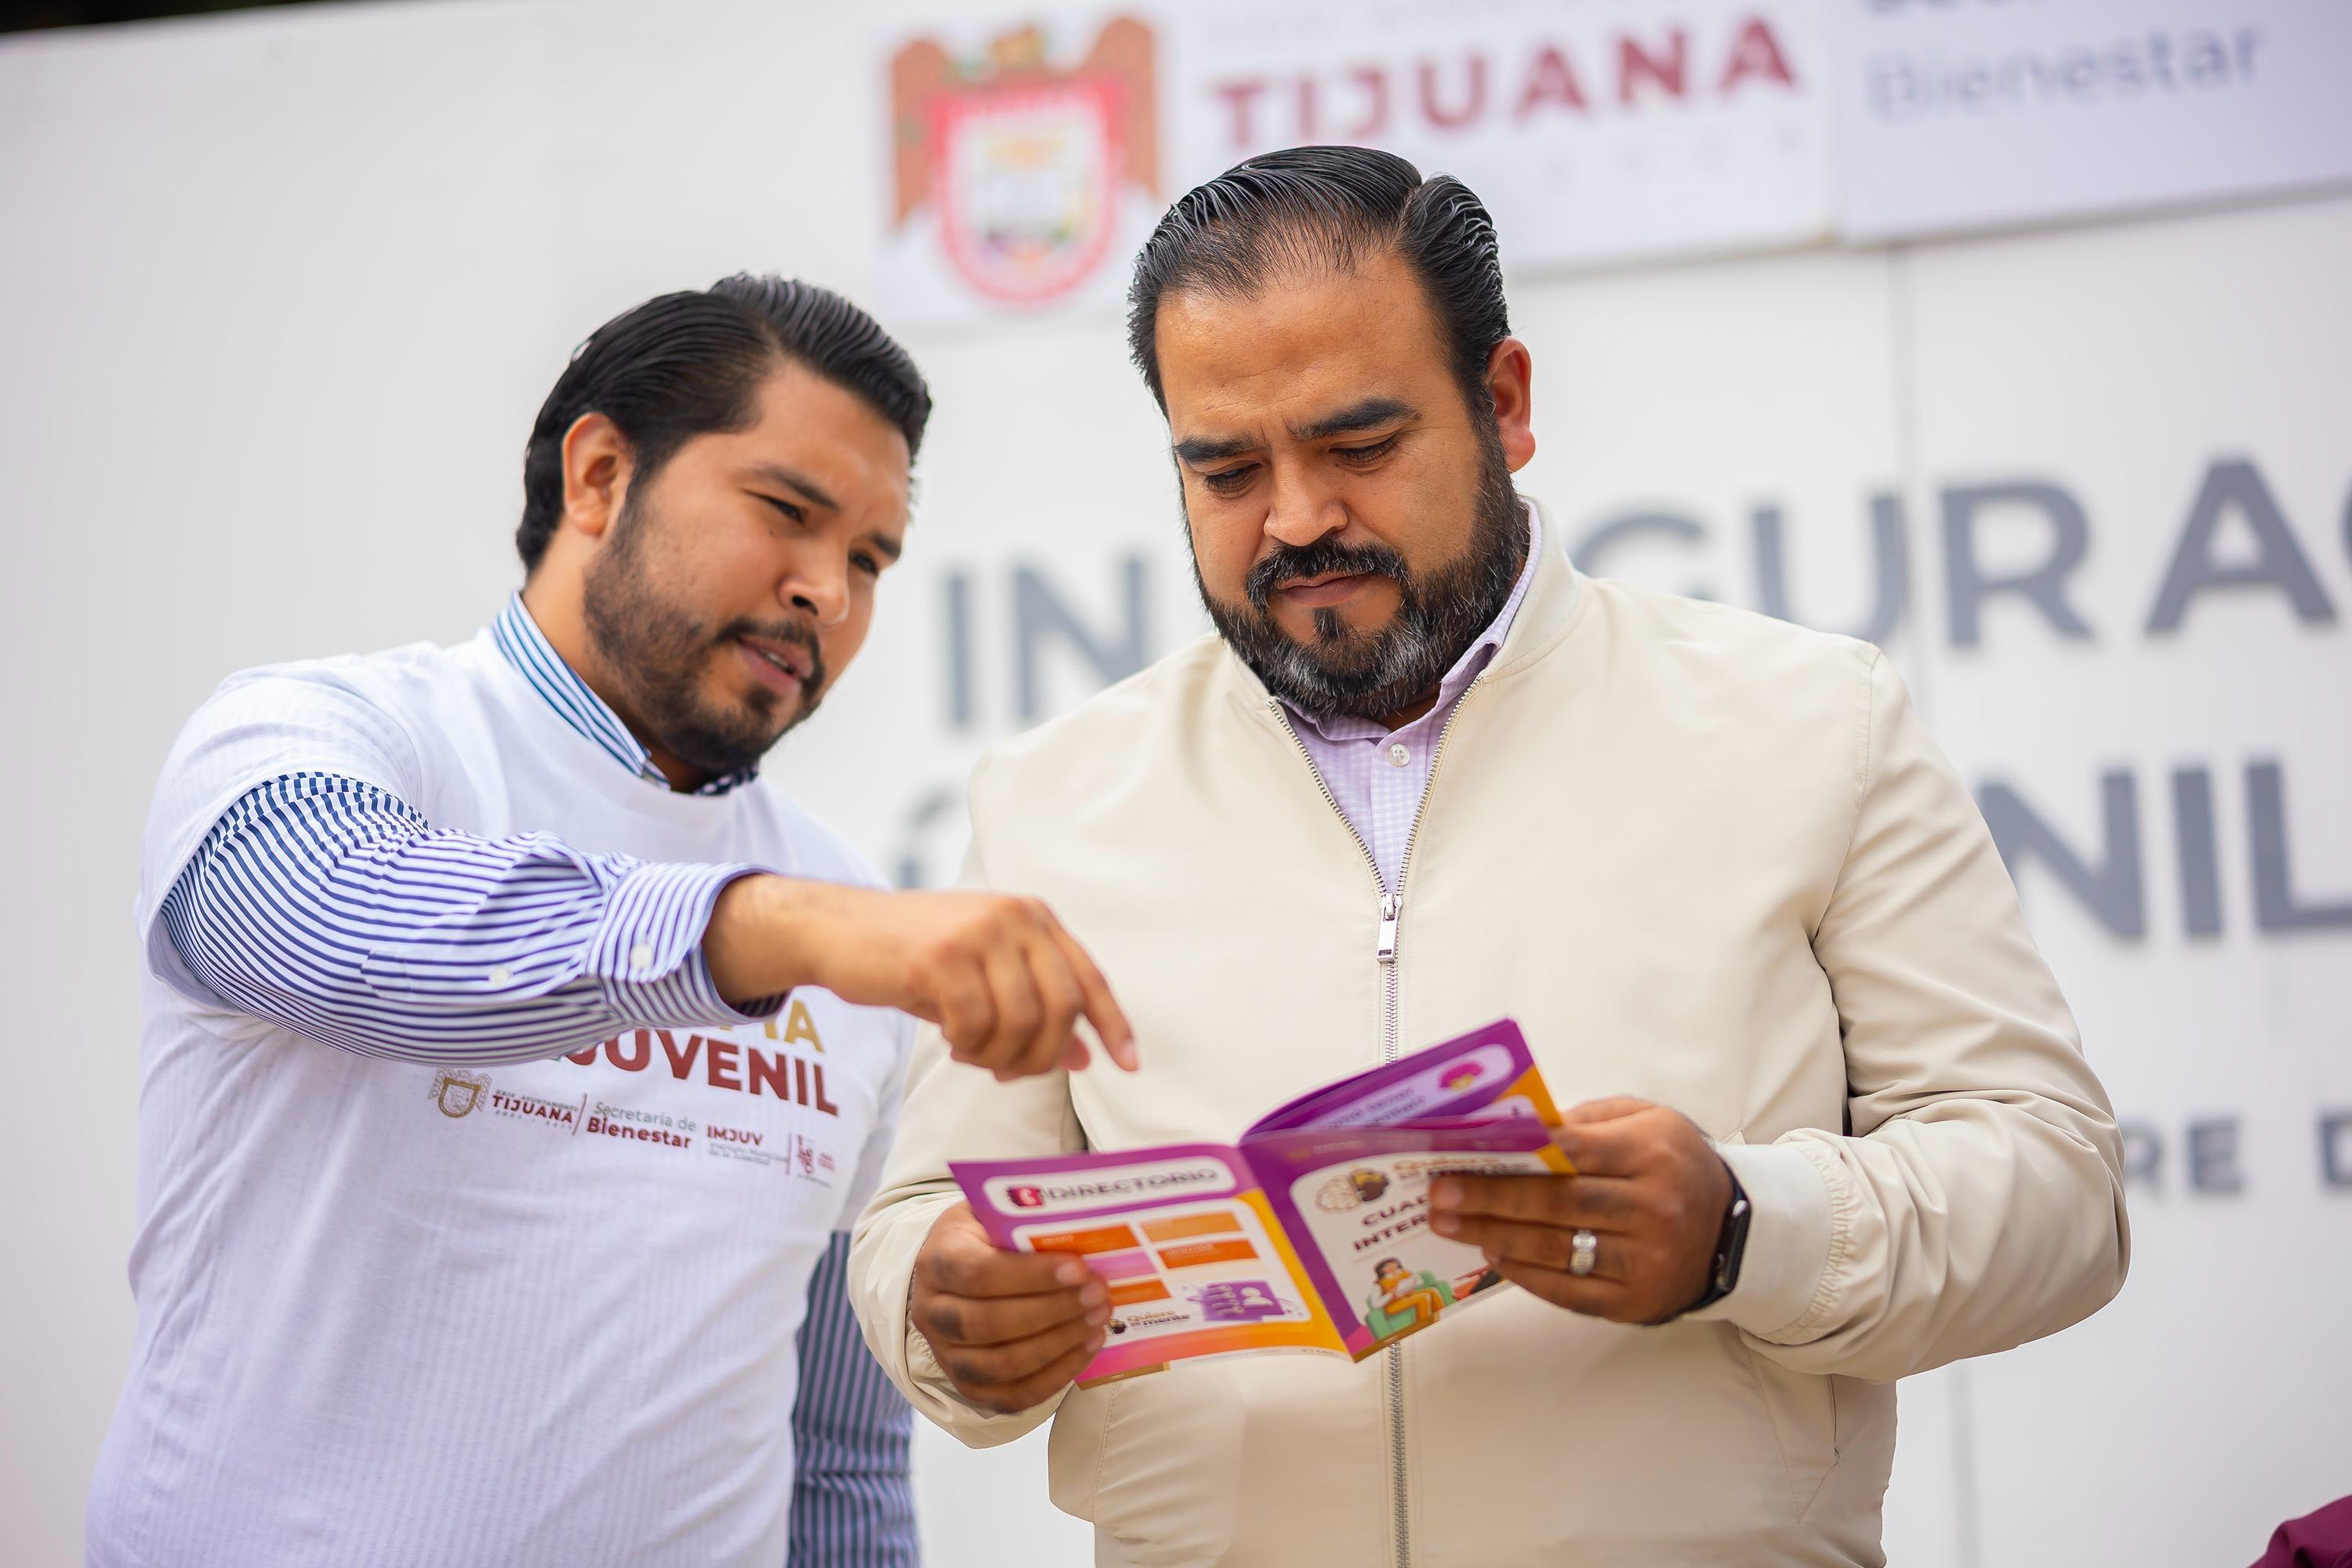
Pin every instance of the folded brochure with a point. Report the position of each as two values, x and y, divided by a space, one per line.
1310 1233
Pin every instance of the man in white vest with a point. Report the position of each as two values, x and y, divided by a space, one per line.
512 1064
1835 1126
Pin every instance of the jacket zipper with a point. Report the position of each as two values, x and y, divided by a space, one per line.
1384 951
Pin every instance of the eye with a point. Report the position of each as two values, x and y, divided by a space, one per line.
1367 453
866 564
791 511
1229 481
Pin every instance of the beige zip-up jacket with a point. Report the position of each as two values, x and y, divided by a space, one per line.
1704 858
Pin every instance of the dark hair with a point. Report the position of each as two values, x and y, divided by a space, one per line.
686 364
1332 207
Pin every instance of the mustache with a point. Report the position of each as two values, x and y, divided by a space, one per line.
799 634
1323 557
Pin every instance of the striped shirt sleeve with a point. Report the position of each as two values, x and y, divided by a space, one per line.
853 1505
328 905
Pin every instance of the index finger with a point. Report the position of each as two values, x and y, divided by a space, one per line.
1101 1008
1609 1108
1601 1148
1537 1198
986 1270
1007 1319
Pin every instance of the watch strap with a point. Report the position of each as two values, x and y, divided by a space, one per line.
1730 1247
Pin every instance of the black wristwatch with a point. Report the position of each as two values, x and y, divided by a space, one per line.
1730 1245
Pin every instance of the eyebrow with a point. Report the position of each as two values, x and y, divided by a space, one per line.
1368 415
1198 449
777 474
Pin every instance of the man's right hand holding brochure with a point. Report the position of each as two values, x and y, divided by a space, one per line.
1011 1328
1650 1189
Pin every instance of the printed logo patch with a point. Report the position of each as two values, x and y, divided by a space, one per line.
456 1093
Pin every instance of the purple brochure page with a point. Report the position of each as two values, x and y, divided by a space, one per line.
1354 1203
1458 1076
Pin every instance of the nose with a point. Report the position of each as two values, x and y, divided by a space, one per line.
1302 511
818 587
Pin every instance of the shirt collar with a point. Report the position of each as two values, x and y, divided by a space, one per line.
535 658
1466 668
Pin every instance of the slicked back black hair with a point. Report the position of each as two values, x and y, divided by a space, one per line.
687 365
1288 213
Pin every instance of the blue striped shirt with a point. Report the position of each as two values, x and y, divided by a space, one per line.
519 639
326 904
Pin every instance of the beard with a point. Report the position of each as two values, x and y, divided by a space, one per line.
657 647
1373 674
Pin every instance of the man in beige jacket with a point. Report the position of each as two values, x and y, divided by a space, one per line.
1836 1126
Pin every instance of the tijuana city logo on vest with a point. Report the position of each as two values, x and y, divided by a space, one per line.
457 1093
1021 164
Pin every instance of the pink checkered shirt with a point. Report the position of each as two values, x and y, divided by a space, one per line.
1378 775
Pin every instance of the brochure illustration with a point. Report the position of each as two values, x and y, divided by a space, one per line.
1309 1233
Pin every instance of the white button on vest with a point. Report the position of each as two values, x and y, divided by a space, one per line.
501 975
642 956
1398 755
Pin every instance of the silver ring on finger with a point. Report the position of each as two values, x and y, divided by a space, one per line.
1584 1252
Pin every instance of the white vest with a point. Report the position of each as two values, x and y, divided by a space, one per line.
545 1313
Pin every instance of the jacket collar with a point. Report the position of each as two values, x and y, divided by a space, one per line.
1554 605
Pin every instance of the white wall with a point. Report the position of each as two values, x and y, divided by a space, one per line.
280 294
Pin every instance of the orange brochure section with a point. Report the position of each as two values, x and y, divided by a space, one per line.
1214 1223
1191 1254
1105 1238
1133 1292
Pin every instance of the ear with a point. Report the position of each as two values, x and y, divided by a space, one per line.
1510 381
597 463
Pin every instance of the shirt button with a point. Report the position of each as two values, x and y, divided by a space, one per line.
642 956
501 975
1398 755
